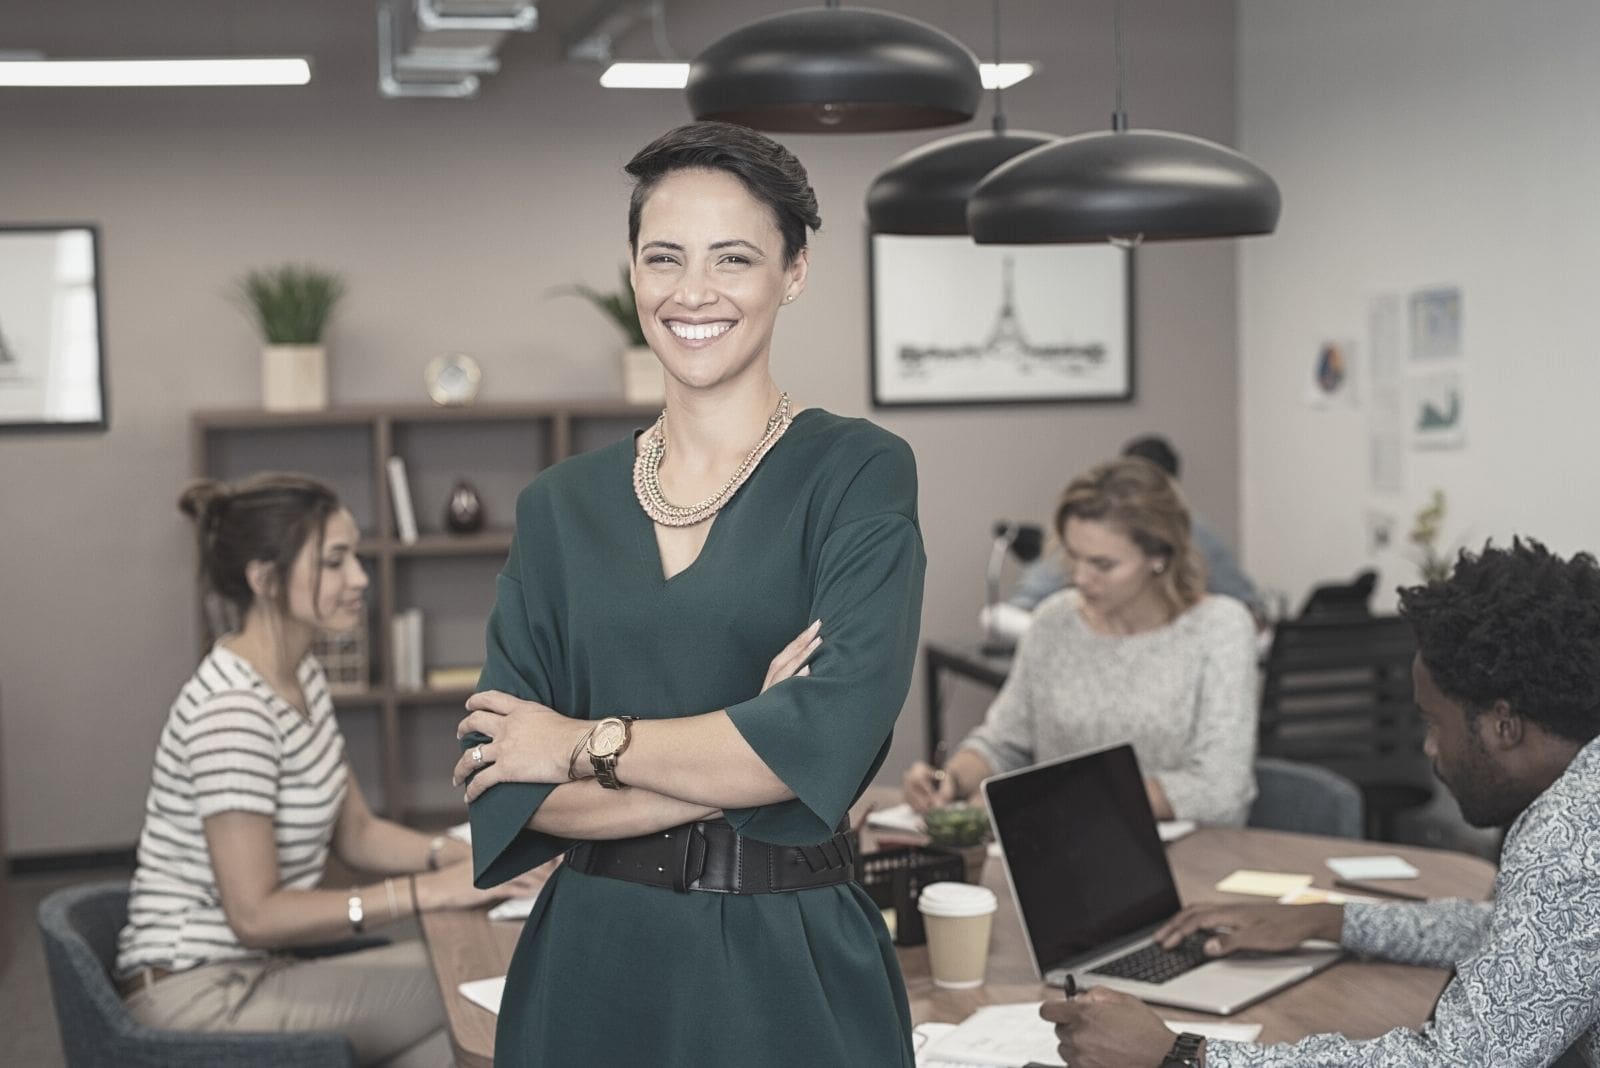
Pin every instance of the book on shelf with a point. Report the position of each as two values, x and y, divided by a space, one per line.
454 678
406 648
405 517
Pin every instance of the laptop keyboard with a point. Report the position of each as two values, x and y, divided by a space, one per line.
1152 964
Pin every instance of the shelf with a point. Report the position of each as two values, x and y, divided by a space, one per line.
496 542
236 418
457 694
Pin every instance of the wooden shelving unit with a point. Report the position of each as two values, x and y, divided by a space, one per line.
400 739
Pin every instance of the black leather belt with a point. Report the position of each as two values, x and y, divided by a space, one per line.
711 856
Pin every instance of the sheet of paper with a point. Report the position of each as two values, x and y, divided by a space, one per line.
485 992
1361 869
1273 884
513 908
1014 1034
1172 830
901 817
1312 895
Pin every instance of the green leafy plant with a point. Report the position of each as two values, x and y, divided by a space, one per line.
1433 564
290 305
618 307
957 825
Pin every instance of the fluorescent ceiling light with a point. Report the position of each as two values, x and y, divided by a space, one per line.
661 74
1004 75
652 75
150 72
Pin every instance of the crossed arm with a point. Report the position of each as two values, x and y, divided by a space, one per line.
677 770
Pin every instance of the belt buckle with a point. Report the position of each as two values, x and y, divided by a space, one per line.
691 859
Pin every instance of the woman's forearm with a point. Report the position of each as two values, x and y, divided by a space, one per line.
387 848
586 810
967 770
701 760
287 917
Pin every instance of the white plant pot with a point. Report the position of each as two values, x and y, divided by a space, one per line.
294 378
642 378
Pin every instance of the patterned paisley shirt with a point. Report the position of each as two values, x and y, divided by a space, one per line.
1527 982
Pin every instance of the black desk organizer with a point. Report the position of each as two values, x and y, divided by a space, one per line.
894 877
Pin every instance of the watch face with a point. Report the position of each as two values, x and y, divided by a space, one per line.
607 737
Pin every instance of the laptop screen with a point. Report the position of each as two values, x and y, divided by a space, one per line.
1081 845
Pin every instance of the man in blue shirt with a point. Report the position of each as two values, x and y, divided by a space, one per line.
1507 677
1223 575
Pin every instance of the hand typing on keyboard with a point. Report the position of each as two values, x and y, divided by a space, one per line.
1153 963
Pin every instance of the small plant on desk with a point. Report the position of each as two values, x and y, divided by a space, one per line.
964 829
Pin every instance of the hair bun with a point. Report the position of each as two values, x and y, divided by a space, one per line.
200 500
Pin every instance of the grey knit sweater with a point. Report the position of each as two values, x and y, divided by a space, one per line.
1184 694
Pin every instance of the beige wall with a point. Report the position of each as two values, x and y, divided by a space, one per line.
451 219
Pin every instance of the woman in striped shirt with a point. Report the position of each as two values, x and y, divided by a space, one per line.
251 791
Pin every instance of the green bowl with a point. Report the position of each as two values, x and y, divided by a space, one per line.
959 824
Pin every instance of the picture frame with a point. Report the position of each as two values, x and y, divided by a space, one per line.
953 322
52 340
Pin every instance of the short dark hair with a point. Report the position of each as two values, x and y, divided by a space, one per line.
268 517
1157 450
1520 625
769 171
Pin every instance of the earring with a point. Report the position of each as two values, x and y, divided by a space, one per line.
789 299
1159 567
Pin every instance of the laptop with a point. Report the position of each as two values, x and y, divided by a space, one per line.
1090 879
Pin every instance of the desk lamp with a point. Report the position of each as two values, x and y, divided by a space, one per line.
1024 541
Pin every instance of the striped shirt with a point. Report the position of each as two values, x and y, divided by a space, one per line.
230 745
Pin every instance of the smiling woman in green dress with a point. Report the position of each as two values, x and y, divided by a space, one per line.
633 714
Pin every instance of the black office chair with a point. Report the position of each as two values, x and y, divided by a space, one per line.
1342 598
1307 799
1336 692
79 927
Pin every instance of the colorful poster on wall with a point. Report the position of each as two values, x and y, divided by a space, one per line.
1332 380
1437 410
1436 324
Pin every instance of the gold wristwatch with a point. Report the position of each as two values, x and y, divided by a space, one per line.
607 742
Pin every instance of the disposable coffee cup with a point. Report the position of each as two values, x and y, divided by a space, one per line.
957 918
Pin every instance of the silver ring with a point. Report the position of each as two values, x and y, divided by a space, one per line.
477 754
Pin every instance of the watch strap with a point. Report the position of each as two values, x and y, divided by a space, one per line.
1188 1051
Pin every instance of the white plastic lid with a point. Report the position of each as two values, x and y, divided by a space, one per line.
955 900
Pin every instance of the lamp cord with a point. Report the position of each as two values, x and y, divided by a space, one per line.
1119 117
999 82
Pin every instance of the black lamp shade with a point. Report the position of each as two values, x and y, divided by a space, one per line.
1150 184
925 191
835 70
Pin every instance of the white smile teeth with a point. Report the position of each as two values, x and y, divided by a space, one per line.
699 331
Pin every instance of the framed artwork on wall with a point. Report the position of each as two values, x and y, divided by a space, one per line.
52 351
955 322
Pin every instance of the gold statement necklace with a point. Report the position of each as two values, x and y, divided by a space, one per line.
647 472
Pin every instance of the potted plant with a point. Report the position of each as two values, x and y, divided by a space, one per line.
642 381
291 307
963 829
1433 564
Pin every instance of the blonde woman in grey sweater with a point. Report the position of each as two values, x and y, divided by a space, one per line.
1135 651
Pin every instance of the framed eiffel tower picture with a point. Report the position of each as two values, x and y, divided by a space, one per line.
954 322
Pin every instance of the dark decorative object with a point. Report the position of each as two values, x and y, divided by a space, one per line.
463 514
835 70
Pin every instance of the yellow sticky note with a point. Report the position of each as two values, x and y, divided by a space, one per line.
1272 884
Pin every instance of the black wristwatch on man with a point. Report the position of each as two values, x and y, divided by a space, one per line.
1189 1051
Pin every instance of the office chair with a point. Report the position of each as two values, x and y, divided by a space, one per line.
1336 692
79 927
1307 799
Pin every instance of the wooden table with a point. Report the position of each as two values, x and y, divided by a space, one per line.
1359 998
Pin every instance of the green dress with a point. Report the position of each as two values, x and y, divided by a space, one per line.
617 973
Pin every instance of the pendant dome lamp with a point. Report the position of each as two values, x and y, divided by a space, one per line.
925 191
835 70
1124 186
